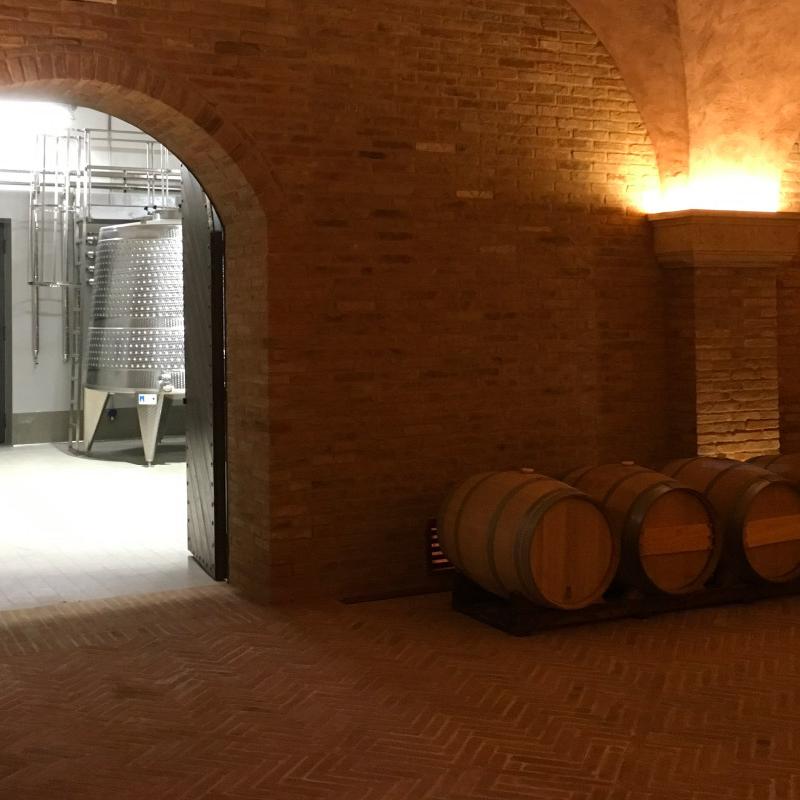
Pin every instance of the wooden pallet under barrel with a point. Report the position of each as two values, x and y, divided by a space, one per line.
519 617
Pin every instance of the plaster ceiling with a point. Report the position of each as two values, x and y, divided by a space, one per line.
717 81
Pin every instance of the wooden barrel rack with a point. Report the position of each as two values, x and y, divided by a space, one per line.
741 577
519 617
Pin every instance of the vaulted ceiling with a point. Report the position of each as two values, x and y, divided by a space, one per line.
717 81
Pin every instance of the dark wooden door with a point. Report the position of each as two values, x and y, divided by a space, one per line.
204 287
5 322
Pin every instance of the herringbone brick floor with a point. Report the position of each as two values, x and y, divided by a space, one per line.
198 694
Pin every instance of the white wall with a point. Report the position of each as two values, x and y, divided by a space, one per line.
35 388
45 387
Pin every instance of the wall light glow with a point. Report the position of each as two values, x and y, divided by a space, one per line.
718 190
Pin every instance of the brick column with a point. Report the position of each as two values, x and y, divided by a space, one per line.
789 356
721 280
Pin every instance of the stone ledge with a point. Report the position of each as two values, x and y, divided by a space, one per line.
698 238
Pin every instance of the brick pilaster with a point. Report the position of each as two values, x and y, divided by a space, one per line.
723 322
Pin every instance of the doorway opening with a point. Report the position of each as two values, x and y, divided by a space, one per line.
113 471
5 336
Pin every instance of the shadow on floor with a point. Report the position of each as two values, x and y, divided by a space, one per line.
172 450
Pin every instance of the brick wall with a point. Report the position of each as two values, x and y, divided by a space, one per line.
789 321
679 288
457 280
722 362
789 357
736 357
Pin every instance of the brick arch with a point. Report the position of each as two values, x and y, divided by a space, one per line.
234 175
643 38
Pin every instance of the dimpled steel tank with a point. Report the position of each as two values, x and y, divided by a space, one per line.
136 336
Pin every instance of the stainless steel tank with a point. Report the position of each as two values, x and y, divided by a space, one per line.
136 330
136 327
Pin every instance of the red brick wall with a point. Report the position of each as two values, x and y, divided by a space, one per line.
789 322
456 280
736 357
789 357
723 374
679 288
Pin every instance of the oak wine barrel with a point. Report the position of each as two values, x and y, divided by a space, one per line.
787 466
518 532
669 543
758 510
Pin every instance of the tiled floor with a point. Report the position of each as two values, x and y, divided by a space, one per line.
74 528
200 695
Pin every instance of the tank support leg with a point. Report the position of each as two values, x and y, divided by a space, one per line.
162 426
94 403
149 421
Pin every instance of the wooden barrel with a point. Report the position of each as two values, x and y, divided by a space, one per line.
758 511
788 466
669 543
518 532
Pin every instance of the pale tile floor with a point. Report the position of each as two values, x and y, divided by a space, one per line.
76 528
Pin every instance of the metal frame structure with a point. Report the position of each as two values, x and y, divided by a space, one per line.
52 204
72 195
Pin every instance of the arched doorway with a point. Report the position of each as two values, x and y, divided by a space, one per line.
219 155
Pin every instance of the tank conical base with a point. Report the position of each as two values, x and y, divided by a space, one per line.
149 423
94 403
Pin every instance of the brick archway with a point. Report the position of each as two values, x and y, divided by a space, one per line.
231 170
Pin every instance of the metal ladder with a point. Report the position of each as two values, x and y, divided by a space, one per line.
85 242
